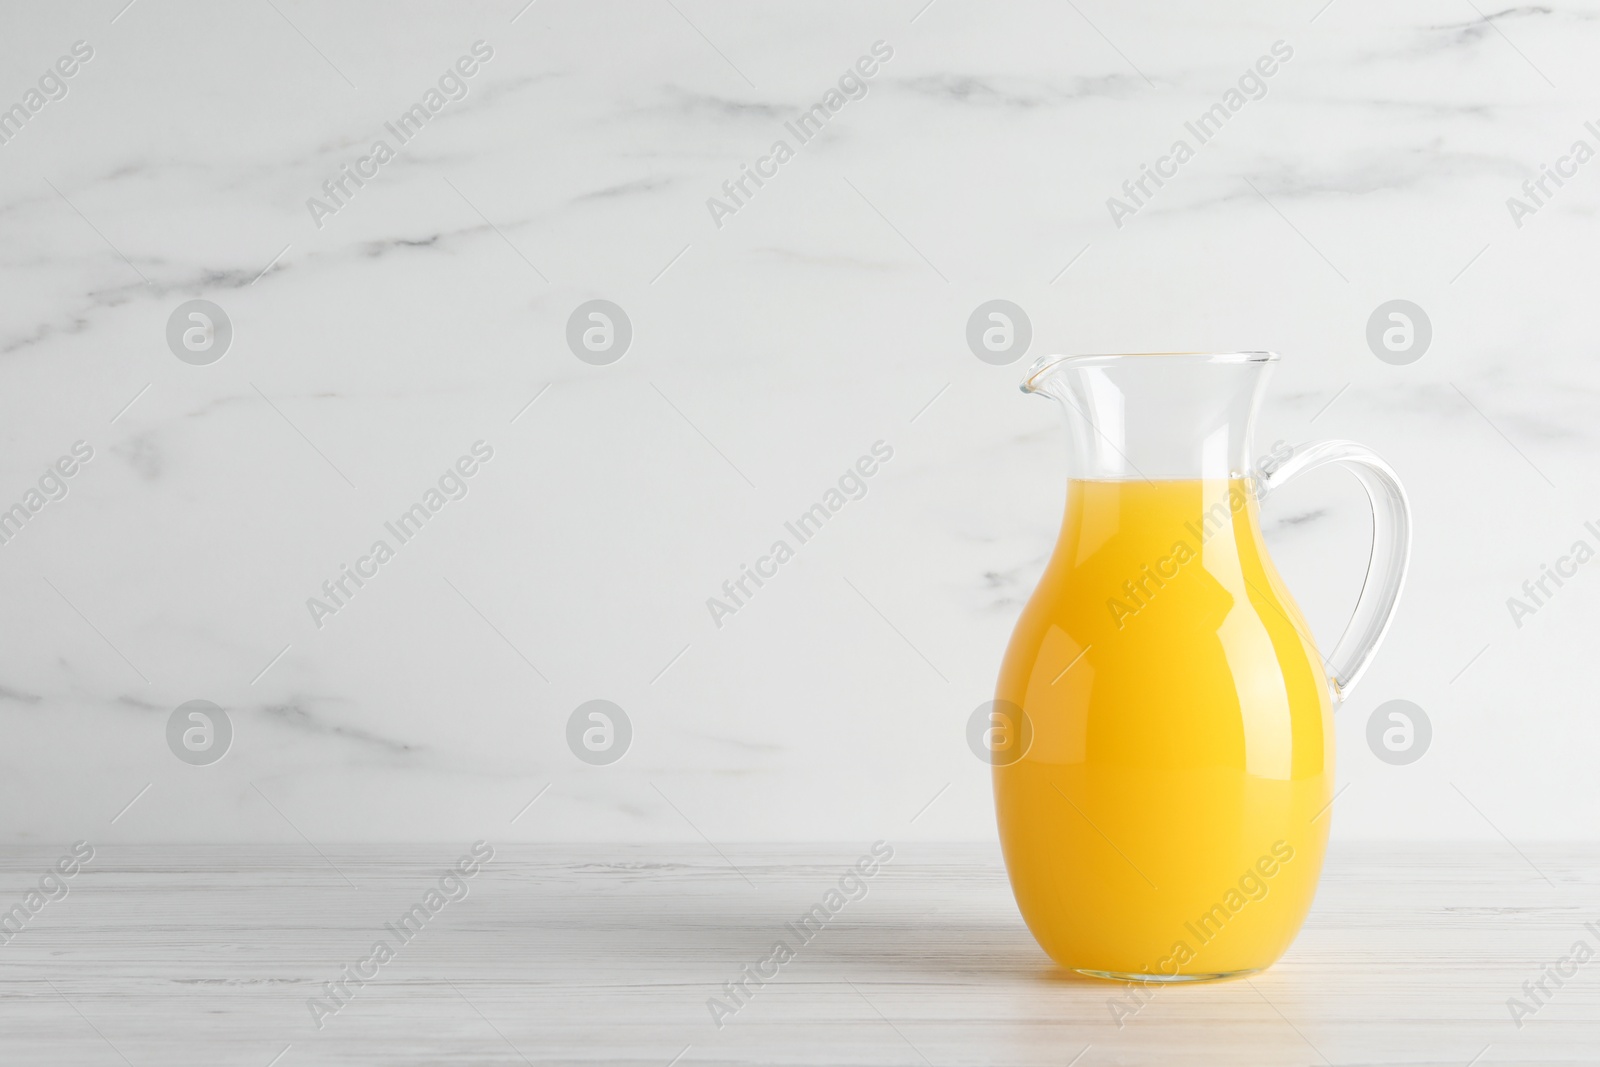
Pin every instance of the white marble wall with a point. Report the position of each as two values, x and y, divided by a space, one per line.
768 354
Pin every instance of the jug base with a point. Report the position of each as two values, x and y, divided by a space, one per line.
1167 979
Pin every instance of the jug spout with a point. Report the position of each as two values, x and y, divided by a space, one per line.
1157 415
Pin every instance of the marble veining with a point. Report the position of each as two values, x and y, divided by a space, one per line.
432 310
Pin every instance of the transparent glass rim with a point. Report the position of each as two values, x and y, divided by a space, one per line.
1045 363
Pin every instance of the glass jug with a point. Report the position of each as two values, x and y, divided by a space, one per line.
1162 733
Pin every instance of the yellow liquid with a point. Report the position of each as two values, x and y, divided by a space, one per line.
1168 817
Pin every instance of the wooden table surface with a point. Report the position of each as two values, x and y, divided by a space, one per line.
609 954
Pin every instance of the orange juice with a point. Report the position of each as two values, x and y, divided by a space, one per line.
1169 815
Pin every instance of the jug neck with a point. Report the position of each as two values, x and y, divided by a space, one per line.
1160 416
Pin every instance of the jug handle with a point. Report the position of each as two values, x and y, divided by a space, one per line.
1391 551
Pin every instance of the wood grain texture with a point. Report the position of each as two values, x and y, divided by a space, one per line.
196 955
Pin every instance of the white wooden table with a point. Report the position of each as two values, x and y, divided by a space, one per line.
608 954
